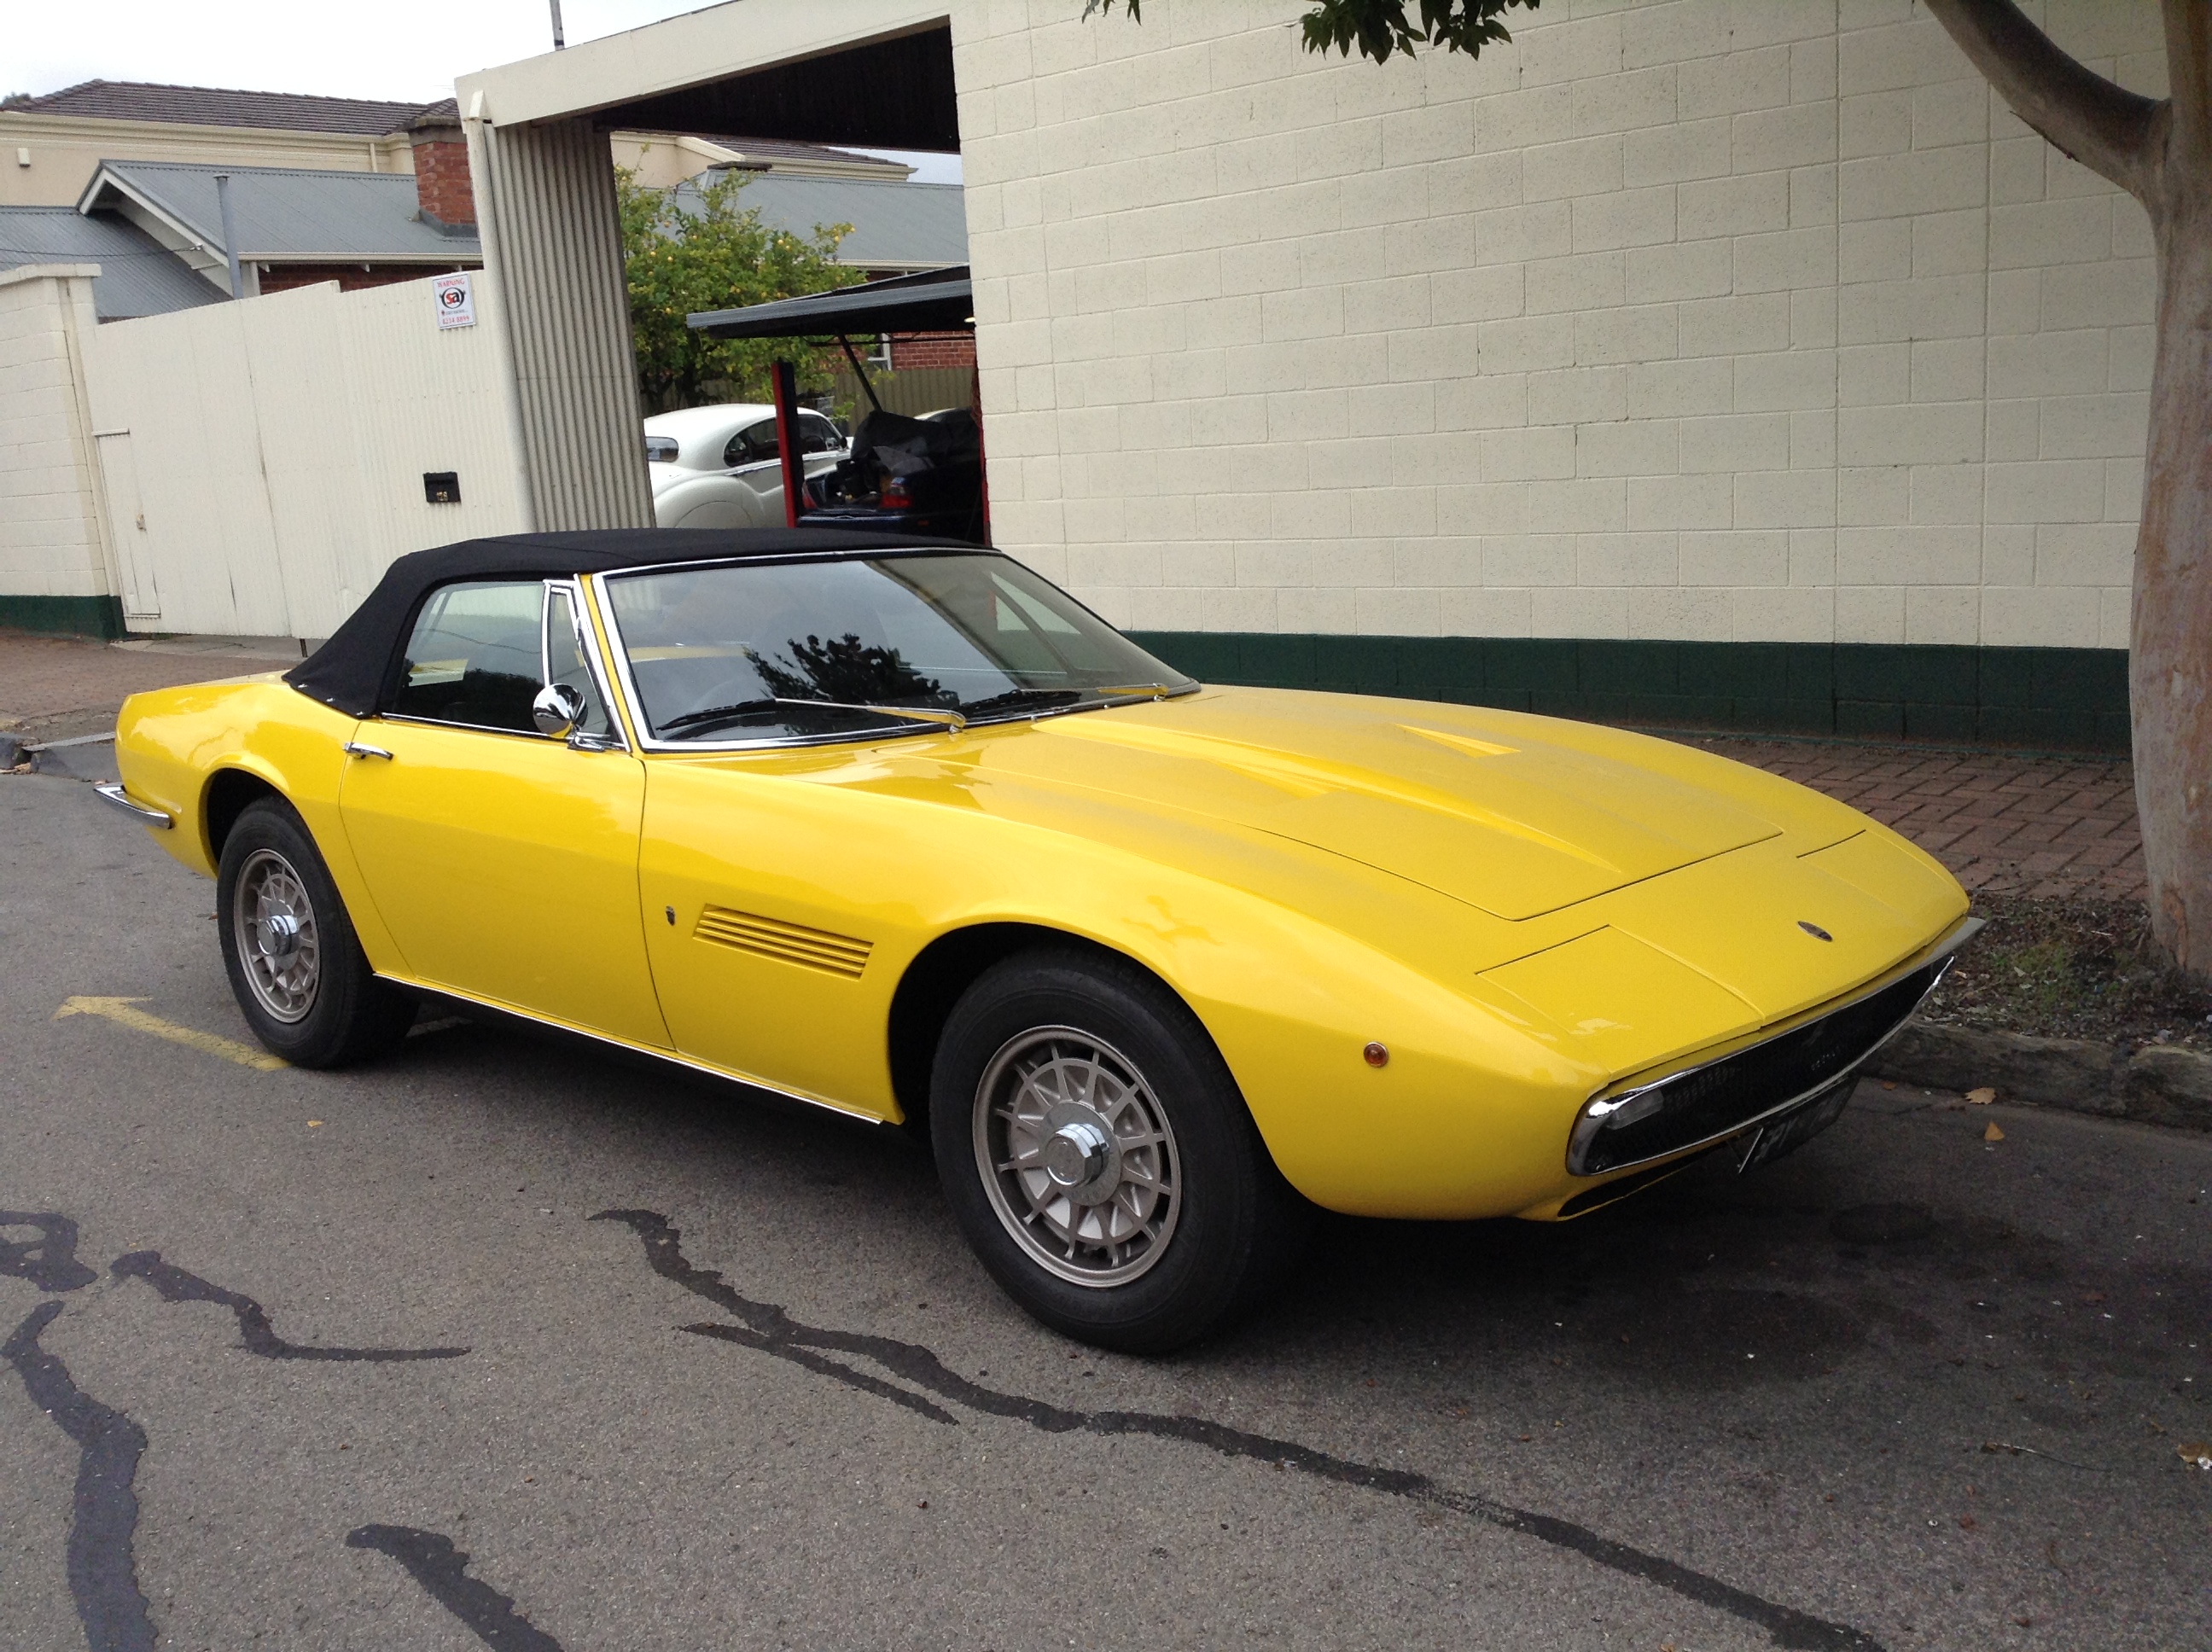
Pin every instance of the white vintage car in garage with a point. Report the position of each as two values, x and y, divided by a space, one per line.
719 467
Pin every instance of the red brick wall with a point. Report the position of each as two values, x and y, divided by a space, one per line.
441 178
932 349
350 277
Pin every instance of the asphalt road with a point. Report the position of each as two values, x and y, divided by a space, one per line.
500 1342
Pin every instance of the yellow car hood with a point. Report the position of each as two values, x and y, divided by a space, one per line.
1516 816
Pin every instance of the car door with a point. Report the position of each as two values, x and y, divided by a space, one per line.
504 862
757 465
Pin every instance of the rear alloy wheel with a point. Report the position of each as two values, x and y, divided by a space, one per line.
1099 1157
295 968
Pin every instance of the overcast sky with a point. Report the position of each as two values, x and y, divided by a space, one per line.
404 50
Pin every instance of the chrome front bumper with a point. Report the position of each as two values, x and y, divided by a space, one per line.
1645 1123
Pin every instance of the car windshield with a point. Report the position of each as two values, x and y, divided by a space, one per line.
771 651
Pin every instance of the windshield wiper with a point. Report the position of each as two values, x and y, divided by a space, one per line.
1032 702
1014 699
718 716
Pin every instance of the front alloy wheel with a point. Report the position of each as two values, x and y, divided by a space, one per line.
1098 1155
1078 1156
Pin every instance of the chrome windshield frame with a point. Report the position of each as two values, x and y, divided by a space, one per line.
589 651
598 592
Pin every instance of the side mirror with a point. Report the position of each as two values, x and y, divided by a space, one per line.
558 709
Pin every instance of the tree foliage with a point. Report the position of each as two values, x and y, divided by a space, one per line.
1379 27
698 247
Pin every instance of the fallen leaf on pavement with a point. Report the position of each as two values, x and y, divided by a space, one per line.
1983 1096
1967 1522
1993 1133
2196 1453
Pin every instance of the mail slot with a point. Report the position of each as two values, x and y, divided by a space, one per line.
441 487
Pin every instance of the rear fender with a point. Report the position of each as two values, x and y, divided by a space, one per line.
173 745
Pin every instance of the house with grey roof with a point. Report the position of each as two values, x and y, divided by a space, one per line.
292 225
138 277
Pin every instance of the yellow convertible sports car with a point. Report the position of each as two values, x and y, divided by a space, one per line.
904 831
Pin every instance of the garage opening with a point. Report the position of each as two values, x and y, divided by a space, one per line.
876 74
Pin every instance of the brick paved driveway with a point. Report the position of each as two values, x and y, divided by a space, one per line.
2041 826
2008 823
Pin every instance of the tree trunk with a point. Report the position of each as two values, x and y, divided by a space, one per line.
2161 154
2169 644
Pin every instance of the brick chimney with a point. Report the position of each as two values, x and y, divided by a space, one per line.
442 190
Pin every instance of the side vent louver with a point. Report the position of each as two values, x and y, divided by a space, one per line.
771 938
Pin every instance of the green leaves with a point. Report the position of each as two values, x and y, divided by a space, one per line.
1378 28
697 248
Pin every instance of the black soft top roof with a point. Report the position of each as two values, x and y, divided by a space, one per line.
348 672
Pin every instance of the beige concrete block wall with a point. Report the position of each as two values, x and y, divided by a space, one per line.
51 543
1710 319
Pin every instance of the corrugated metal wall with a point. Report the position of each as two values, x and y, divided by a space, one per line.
277 448
556 251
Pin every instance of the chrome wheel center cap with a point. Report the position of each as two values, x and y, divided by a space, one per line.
1075 1153
277 936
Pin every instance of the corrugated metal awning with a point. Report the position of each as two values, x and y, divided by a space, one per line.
937 300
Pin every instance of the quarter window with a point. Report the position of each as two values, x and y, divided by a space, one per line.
754 442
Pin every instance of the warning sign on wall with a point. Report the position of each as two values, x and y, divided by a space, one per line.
457 303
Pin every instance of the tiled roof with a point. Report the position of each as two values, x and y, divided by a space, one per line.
291 212
137 275
209 106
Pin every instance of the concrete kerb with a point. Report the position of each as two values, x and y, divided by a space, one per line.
81 758
2159 1083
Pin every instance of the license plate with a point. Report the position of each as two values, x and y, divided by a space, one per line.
1788 1131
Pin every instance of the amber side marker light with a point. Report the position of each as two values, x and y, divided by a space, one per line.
1376 1056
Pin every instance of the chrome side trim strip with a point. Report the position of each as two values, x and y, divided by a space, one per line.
1941 952
631 1045
113 793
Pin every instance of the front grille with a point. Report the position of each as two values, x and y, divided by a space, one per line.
1709 1101
789 943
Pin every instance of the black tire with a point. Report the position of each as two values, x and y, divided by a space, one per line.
1233 1227
333 1011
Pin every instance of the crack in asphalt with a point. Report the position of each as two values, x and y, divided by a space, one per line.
432 1561
102 1562
256 1334
769 1329
102 1559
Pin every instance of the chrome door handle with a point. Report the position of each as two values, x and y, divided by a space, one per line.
355 749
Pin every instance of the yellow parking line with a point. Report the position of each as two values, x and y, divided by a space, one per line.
120 1010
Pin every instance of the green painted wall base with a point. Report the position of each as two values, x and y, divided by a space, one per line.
2050 699
69 617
